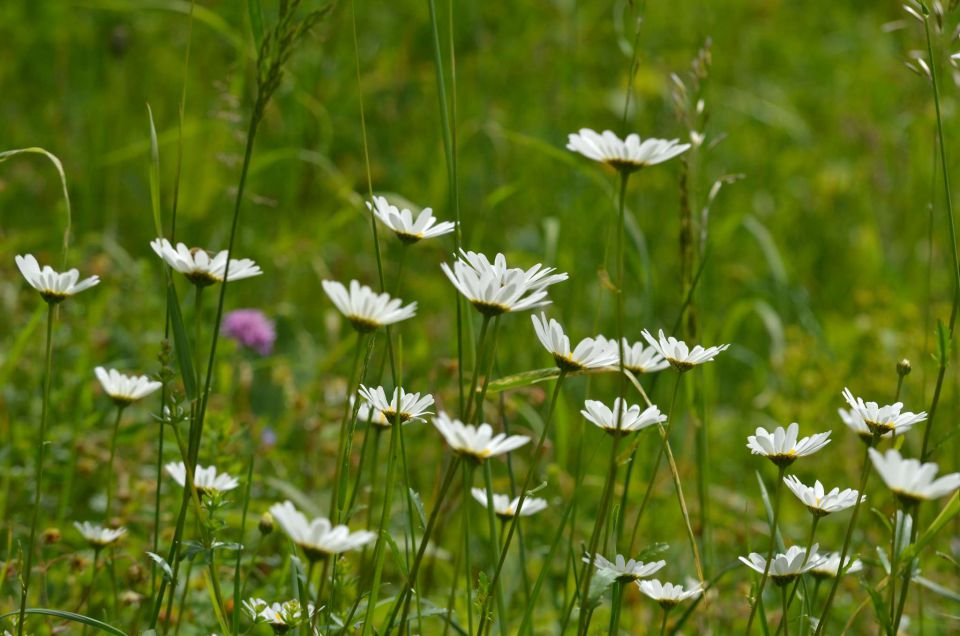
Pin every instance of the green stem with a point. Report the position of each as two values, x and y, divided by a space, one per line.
522 496
494 542
663 622
38 466
243 529
348 409
783 616
113 452
618 592
907 574
864 475
415 568
806 557
758 599
468 568
481 340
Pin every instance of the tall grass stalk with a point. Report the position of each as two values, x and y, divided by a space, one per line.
38 466
758 597
864 476
522 493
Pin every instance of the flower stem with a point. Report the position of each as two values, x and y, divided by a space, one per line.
793 591
465 528
783 617
415 567
618 591
497 588
522 496
348 409
758 599
663 622
38 466
864 475
907 574
481 340
113 452
243 528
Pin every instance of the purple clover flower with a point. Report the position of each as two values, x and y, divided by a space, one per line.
251 329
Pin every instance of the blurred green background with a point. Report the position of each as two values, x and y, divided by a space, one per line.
828 260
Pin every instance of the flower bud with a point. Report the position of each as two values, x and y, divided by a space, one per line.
266 523
903 367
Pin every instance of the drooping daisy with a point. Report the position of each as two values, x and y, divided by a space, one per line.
855 423
476 442
494 288
506 508
199 267
628 154
819 502
318 538
280 616
667 595
411 405
678 354
364 308
626 570
54 287
640 359
205 479
98 536
401 221
782 446
785 566
621 419
590 353
828 568
125 389
909 479
883 419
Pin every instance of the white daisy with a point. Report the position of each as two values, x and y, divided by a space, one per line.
401 221
819 502
318 538
494 288
205 479
667 595
590 353
679 354
125 389
506 508
412 406
199 267
621 419
638 358
54 287
280 616
910 480
364 308
883 419
98 536
624 154
476 442
785 566
831 564
624 569
782 447
855 423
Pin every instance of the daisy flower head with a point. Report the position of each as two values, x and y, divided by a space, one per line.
785 566
494 289
782 446
318 538
280 616
590 353
667 595
408 229
625 155
476 442
364 308
883 419
54 286
98 536
125 389
909 479
409 406
819 502
678 354
506 508
199 267
621 419
855 423
625 570
640 359
830 565
206 480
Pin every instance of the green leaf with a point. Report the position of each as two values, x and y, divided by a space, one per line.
397 555
652 551
167 570
418 505
154 175
181 343
599 584
68 616
536 376
949 512
879 607
255 11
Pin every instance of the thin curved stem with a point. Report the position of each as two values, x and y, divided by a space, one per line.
806 557
113 453
758 599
